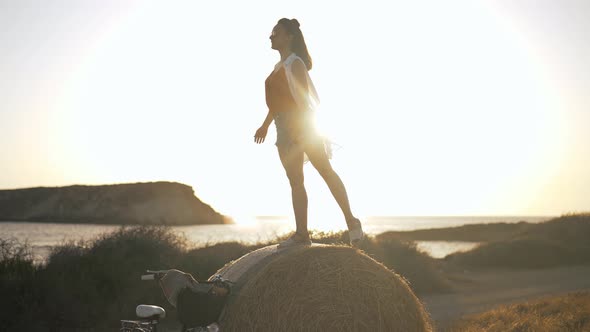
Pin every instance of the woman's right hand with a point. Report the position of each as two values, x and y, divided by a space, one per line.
260 134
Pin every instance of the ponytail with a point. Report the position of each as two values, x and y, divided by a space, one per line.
298 45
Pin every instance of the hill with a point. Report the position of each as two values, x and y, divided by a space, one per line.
167 203
561 241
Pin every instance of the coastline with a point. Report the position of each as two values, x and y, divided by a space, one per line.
435 241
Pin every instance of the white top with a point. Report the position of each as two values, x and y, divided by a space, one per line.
305 99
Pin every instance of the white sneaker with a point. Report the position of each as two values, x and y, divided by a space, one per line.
355 233
295 240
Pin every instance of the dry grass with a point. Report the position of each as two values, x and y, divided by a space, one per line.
569 313
325 288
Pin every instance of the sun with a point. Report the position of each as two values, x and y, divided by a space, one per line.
427 118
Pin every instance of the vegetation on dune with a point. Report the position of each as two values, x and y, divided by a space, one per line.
18 290
468 233
567 313
557 242
569 228
419 269
85 286
96 283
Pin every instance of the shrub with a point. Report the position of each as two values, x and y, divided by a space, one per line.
18 290
97 283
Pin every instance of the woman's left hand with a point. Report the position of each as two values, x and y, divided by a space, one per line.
260 135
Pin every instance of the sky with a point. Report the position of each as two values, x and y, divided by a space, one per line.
459 107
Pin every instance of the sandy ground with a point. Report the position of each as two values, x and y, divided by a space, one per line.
480 290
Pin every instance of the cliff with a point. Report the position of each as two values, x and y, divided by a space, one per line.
167 203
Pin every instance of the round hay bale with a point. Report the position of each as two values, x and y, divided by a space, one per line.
318 288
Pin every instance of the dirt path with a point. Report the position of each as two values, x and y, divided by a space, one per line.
480 290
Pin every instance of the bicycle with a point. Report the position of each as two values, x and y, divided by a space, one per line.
180 290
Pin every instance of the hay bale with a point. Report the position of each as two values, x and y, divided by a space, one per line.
318 288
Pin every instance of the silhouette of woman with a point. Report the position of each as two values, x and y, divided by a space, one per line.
290 97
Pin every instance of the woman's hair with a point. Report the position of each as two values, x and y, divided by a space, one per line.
298 46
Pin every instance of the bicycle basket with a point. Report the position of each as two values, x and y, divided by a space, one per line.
198 308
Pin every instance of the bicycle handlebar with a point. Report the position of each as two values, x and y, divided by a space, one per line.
154 275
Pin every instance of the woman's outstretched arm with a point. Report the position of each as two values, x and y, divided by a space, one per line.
260 134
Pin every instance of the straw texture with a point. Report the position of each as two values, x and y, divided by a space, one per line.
323 288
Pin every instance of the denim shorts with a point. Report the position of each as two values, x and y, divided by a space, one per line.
294 128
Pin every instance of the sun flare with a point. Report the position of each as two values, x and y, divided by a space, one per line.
427 116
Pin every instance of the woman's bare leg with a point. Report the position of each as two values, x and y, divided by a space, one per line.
292 161
319 159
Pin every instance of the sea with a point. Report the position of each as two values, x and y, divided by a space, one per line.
42 237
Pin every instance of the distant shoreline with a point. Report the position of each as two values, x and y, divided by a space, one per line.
107 223
418 232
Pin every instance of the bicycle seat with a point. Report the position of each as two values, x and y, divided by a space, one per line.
147 311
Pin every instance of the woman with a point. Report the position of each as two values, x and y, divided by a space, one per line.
290 97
